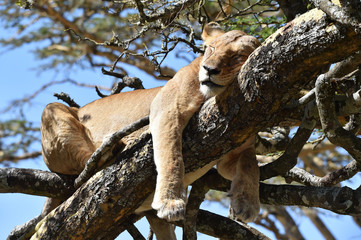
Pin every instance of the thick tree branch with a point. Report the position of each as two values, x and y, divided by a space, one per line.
336 199
36 182
339 200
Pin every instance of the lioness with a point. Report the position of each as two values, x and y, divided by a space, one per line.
70 136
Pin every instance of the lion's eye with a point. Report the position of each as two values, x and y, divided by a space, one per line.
209 51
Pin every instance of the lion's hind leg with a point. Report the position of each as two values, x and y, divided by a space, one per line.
66 143
245 187
240 166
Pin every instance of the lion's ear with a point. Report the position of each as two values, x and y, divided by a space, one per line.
211 31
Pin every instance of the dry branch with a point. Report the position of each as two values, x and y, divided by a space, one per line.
331 179
66 98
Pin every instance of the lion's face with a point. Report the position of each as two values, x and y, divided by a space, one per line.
223 59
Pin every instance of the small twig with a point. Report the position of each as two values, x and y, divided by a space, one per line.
112 73
105 150
132 82
318 141
134 232
80 38
66 98
100 94
116 61
27 99
244 11
308 97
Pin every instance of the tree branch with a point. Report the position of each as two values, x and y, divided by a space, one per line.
196 197
24 156
36 182
342 200
337 14
282 215
165 13
331 179
225 228
317 221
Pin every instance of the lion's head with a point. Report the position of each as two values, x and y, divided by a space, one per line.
223 58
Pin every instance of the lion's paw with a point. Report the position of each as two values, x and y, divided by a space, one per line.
171 209
245 210
245 201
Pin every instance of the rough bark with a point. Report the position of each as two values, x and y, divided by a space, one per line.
277 70
36 182
339 200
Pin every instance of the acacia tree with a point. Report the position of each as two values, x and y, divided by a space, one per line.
286 83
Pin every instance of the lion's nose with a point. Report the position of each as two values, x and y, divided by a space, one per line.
211 70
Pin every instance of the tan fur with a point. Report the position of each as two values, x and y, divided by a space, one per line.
69 135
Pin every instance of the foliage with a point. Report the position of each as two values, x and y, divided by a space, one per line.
16 138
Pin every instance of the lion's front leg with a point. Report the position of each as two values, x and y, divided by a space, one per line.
170 112
170 194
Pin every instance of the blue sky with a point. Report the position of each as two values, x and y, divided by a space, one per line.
18 80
